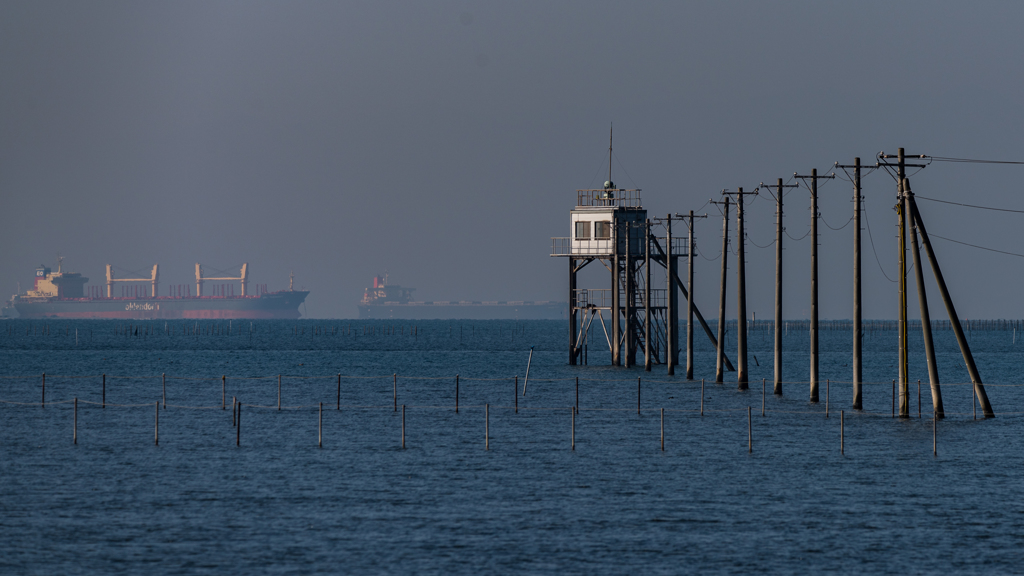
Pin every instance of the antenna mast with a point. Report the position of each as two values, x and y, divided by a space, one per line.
611 128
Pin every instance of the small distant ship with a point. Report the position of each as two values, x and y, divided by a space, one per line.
63 294
393 301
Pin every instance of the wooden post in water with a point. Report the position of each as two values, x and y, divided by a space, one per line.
103 397
339 391
487 426
74 424
403 426
320 427
662 429
279 392
842 434
750 433
223 392
526 380
395 389
156 425
456 394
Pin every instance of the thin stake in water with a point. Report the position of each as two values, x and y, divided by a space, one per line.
527 379
662 429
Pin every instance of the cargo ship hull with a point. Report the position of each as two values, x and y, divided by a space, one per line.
465 311
271 305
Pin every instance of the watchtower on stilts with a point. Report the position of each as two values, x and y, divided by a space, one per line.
609 225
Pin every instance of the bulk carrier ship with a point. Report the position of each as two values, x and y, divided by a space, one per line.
63 295
393 301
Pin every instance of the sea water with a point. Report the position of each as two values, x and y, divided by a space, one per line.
587 492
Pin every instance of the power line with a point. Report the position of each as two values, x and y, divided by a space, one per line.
800 238
830 226
971 160
970 205
875 252
758 245
976 246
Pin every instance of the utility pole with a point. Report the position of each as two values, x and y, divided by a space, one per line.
720 348
741 291
647 295
814 277
904 368
779 187
672 311
630 313
689 293
858 332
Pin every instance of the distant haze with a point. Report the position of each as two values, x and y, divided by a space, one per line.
442 142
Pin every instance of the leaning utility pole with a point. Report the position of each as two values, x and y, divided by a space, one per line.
954 319
922 299
689 294
721 298
741 292
814 278
777 387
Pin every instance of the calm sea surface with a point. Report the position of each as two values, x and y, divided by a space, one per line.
279 504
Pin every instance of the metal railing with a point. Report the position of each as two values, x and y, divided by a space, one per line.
602 298
616 198
564 246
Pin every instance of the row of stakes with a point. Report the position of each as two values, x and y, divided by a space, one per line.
224 380
236 412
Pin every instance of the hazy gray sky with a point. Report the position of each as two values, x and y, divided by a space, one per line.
443 141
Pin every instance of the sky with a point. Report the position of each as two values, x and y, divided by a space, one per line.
442 142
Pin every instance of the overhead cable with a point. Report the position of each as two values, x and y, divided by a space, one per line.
969 205
975 245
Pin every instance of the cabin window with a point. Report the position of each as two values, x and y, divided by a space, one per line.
583 230
602 230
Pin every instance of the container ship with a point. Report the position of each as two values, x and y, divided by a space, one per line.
393 301
63 295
